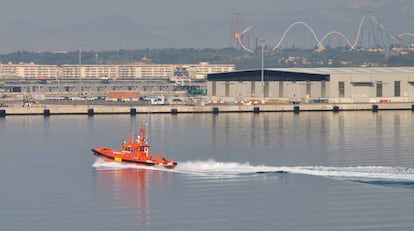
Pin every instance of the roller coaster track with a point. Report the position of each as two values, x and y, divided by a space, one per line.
290 27
240 35
340 35
319 42
400 36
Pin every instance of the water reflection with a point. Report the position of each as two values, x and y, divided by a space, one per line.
128 189
320 138
324 153
309 138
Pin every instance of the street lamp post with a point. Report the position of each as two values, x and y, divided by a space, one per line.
80 65
238 37
262 71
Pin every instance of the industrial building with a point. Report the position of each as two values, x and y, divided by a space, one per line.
307 85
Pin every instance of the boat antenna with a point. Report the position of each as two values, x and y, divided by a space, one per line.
148 119
133 132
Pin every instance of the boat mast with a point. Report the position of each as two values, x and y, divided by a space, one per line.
148 119
143 132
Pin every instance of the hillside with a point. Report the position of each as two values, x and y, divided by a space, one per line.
242 59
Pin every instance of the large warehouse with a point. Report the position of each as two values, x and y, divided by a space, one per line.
335 85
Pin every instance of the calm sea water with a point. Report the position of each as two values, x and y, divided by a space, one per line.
270 171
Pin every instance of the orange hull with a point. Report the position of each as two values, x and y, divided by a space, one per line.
137 151
118 156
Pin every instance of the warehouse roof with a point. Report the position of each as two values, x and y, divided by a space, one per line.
268 75
348 70
302 74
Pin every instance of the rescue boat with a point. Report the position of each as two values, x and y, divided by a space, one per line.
135 150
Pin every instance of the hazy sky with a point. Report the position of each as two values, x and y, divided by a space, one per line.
56 25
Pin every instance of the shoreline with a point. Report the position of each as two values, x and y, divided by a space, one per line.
90 110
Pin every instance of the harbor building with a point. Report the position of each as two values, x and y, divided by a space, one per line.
28 70
138 70
308 85
131 71
98 78
200 70
88 71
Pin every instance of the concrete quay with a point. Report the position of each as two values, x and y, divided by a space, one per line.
90 110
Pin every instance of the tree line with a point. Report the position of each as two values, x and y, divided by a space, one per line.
338 57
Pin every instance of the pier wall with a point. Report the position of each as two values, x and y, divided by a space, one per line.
91 110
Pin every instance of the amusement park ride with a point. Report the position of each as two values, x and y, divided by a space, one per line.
371 34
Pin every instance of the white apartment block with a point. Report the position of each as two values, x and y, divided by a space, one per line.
70 71
200 71
28 70
153 70
129 71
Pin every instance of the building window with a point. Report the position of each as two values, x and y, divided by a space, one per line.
266 89
379 88
227 89
308 88
323 89
280 89
213 88
397 88
341 89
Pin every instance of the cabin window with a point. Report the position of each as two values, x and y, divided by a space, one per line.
141 149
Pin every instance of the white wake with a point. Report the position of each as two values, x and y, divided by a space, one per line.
211 168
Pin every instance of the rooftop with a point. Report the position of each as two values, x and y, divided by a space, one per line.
344 70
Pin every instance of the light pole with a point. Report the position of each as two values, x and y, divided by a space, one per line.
80 65
262 71
262 41
58 83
